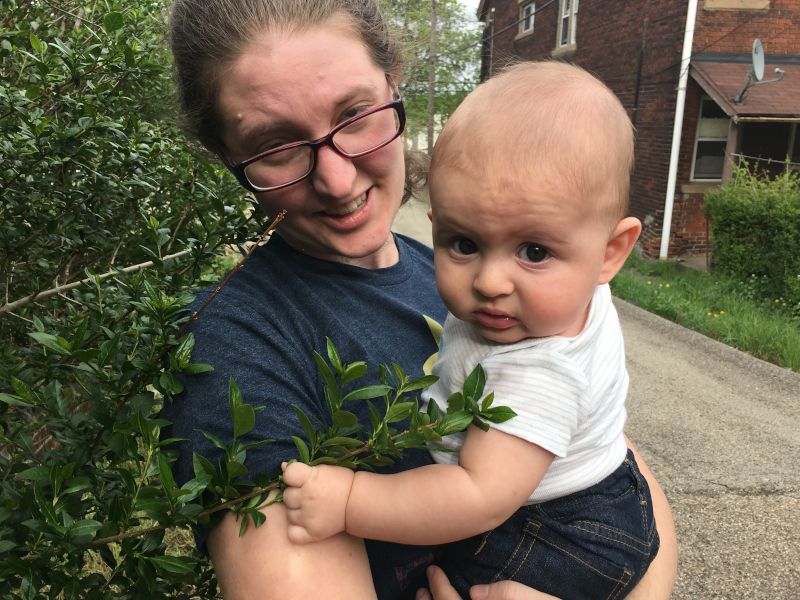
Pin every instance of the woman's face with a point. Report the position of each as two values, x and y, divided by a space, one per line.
296 86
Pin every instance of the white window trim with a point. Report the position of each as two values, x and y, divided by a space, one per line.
523 4
698 139
570 15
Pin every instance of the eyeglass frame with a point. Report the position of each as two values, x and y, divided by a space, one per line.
238 169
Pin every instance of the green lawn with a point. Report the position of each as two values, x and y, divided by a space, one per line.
716 306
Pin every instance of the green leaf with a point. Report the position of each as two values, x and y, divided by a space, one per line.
234 394
454 422
45 506
83 531
195 368
421 383
367 393
173 564
347 442
12 400
354 371
487 401
400 411
305 423
57 344
202 466
333 355
343 418
113 21
6 545
302 448
36 43
170 384
474 384
499 414
167 479
235 469
331 388
35 474
244 419
215 441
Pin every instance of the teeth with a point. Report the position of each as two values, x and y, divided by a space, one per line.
348 208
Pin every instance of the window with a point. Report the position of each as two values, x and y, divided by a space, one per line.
527 11
567 22
710 142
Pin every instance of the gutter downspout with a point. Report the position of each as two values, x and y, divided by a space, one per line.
680 103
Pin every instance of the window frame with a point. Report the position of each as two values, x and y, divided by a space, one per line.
567 15
698 139
524 4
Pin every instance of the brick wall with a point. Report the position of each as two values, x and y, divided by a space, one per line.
635 48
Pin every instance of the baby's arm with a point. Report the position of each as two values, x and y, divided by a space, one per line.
433 504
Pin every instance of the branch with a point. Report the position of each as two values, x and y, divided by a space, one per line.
53 291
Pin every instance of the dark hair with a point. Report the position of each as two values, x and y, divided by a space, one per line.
206 36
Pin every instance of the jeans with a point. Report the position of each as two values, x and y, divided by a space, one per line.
596 543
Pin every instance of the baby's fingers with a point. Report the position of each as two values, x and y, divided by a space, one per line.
299 535
295 474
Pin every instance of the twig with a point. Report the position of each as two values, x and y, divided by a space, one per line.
68 286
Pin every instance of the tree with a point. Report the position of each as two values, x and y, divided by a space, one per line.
457 57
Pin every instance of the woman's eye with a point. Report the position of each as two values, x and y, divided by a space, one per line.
533 253
464 246
355 111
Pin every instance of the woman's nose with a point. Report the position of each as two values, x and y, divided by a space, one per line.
492 281
334 175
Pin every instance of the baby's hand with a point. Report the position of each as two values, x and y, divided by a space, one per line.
315 500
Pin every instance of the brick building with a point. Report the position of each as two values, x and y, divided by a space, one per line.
636 46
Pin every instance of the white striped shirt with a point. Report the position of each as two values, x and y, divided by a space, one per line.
568 392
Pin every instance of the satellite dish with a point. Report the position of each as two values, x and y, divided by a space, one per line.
758 60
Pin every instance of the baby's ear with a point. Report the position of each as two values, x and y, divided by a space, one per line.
619 247
430 214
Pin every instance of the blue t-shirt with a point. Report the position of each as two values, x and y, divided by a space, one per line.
262 329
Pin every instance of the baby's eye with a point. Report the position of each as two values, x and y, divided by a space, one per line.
533 253
464 246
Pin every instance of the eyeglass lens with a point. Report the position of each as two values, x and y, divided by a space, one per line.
358 138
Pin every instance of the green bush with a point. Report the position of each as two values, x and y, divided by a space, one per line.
96 178
755 225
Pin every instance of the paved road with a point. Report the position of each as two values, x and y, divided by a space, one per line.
721 430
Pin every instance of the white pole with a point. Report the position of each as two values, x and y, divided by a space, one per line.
680 103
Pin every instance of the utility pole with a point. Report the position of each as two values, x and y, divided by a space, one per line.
432 59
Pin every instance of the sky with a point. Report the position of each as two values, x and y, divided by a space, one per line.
472 6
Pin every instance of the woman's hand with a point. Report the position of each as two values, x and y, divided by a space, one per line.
440 589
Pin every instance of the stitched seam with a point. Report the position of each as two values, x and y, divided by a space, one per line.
532 540
483 543
636 545
501 573
621 585
580 560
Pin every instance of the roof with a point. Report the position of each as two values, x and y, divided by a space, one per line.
776 100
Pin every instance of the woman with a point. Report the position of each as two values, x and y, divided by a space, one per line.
255 77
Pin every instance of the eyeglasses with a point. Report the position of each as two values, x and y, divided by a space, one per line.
358 136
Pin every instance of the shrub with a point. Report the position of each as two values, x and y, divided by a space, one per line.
755 224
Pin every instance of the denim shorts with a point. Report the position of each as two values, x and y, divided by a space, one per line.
594 544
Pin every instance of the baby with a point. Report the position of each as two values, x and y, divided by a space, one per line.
529 195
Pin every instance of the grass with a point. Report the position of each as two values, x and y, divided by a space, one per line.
720 307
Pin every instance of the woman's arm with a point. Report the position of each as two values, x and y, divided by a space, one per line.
659 579
264 564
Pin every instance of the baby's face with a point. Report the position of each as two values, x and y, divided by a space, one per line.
517 259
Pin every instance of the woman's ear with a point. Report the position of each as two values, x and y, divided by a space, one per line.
619 247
